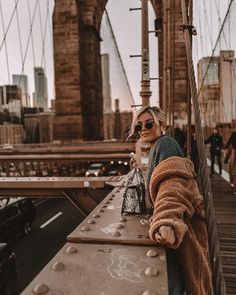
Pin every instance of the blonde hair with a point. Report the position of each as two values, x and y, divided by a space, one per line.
157 114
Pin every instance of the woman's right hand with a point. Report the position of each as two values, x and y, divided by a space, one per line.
165 235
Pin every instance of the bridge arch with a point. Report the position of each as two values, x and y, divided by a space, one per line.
78 79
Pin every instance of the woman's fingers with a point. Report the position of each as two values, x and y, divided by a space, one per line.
166 235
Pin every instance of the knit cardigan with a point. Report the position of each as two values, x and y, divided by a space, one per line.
178 204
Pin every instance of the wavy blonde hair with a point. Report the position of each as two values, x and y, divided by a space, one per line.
158 115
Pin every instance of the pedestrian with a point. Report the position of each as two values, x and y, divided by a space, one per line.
231 159
216 144
178 218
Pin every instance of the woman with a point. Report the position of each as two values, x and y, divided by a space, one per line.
178 219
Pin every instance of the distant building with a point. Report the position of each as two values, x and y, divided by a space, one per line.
22 82
40 96
10 99
217 96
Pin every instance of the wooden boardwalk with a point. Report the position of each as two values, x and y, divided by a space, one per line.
225 210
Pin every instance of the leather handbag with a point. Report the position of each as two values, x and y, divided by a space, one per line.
134 193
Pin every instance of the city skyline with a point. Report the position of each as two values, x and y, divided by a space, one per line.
127 33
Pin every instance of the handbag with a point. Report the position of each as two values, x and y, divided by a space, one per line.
134 193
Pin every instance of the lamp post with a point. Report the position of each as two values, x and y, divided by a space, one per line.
145 92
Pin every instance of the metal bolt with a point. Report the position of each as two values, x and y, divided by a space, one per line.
84 228
116 233
151 253
96 216
119 226
125 214
151 272
41 289
90 221
147 292
71 250
58 266
104 206
122 219
100 211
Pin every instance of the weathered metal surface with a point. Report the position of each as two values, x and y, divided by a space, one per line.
109 226
103 269
52 186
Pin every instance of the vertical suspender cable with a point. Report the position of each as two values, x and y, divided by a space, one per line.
218 280
5 39
31 28
19 33
42 32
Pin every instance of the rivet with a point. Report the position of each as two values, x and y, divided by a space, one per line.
71 250
58 266
107 202
84 228
100 211
125 214
116 233
119 226
110 199
104 206
96 216
122 219
151 272
162 258
151 253
41 289
147 292
90 221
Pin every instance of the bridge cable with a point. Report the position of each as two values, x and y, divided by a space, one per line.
217 273
214 49
119 56
19 32
42 32
4 33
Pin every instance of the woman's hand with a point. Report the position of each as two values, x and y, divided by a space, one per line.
165 235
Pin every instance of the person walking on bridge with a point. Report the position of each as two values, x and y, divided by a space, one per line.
178 219
231 146
216 142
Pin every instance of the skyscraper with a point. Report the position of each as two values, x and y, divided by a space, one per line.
22 82
40 98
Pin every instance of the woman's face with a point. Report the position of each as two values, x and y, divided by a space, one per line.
148 134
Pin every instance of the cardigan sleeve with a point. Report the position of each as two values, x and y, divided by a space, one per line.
172 207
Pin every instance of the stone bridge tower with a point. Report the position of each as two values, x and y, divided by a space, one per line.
78 80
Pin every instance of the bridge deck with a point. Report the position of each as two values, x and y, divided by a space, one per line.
225 209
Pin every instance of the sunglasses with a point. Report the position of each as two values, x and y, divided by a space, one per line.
147 126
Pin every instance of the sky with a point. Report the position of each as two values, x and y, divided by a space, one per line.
127 30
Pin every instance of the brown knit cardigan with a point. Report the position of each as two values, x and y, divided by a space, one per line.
178 204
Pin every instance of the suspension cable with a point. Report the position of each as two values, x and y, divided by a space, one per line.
31 27
119 56
213 51
19 32
4 33
218 280
42 32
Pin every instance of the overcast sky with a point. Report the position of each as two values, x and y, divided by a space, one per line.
127 29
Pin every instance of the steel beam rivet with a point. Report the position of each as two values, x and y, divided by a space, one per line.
104 206
110 199
40 289
100 211
116 233
122 219
151 272
96 216
147 292
119 226
151 253
58 266
90 221
125 214
107 202
71 250
84 228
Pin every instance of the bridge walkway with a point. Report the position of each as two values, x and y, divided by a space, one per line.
224 201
